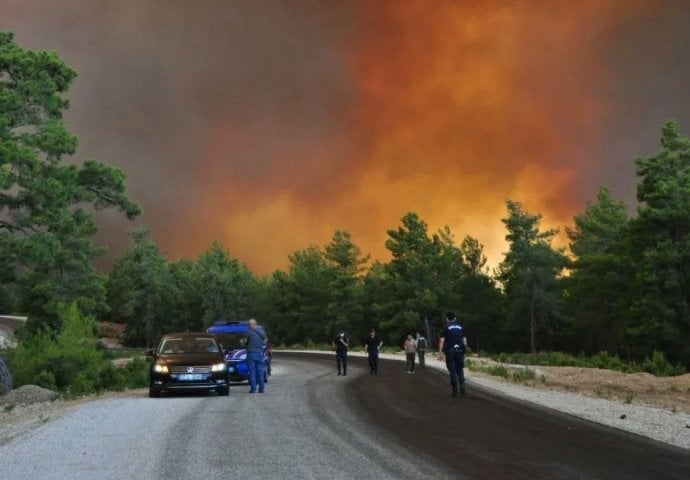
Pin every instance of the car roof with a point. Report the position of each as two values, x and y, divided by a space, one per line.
229 327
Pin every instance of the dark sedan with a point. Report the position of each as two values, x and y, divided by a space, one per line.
188 361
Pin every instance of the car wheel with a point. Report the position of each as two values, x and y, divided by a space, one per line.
224 391
154 393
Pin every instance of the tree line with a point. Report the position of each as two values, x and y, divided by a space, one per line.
621 287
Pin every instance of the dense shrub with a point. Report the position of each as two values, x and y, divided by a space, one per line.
72 361
659 366
46 379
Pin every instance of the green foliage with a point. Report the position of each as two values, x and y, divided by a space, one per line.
529 274
630 396
498 371
428 275
561 359
599 285
46 379
63 360
135 374
320 293
227 287
660 237
138 288
659 366
415 276
523 375
46 233
82 385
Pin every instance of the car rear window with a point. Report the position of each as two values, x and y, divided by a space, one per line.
232 341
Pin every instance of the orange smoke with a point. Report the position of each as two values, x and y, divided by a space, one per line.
458 107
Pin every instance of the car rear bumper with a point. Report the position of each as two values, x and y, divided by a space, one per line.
238 371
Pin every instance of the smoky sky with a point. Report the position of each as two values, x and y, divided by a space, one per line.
268 125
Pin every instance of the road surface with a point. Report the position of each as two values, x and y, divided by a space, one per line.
312 424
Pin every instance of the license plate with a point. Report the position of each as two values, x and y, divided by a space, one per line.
189 377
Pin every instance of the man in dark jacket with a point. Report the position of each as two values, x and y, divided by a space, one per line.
340 345
372 345
453 344
422 345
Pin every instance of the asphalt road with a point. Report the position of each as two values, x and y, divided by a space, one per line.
312 424
484 436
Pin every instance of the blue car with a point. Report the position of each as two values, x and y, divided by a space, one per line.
233 338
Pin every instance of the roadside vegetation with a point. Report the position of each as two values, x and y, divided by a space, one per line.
657 364
518 366
616 298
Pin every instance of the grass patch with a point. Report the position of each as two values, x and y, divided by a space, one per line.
656 365
630 396
523 375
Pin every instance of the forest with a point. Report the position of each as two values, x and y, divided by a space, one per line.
621 287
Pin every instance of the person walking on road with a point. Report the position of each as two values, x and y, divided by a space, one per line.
422 345
453 344
256 344
372 345
340 345
410 347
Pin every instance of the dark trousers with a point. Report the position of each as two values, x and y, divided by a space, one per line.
341 362
410 361
255 361
373 362
421 353
455 363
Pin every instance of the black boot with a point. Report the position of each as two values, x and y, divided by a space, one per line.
462 389
455 390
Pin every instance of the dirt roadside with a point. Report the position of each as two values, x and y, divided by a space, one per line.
668 393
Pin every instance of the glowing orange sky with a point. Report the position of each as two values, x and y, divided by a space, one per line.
268 125
458 109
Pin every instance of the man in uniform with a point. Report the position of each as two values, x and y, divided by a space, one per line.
453 344
340 345
372 345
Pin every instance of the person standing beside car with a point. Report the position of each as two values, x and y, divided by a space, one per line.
256 344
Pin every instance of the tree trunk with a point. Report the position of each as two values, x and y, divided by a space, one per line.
532 327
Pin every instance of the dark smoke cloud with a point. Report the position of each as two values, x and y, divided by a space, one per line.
267 125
